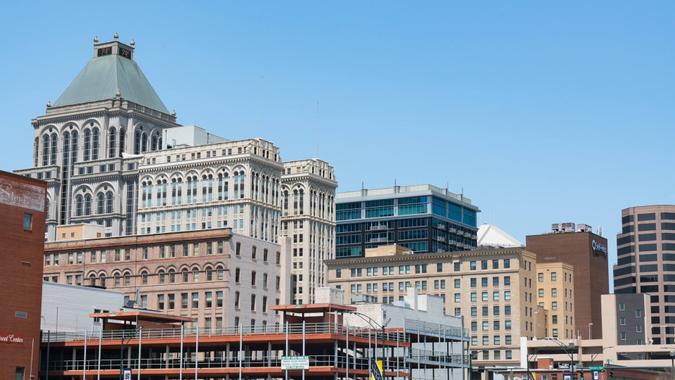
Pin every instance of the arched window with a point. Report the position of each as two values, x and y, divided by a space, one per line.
94 145
52 159
87 204
66 148
117 279
195 274
144 142
185 275
161 276
78 205
100 203
153 142
87 144
301 201
242 180
209 274
137 142
102 279
112 139
172 276
45 150
73 151
109 202
180 191
220 273
144 277
285 202
127 279
123 135
226 186
92 279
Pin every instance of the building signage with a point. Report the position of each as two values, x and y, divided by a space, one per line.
10 339
126 373
294 362
598 247
23 195
376 370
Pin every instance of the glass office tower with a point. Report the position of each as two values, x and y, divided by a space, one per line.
423 218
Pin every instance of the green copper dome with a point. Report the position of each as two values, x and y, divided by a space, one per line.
104 77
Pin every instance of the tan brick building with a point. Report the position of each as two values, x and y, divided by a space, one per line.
217 277
494 289
555 294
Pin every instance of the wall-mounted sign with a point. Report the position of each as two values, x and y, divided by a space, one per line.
23 195
295 362
598 247
11 339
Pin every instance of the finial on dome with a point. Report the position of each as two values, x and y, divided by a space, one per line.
118 93
116 35
173 113
132 43
49 103
95 39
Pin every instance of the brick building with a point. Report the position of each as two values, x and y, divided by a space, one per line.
577 246
215 277
22 206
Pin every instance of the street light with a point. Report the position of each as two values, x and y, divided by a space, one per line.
590 324
672 364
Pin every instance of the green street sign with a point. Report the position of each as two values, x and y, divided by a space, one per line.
597 368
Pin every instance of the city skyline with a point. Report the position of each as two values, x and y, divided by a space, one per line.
490 91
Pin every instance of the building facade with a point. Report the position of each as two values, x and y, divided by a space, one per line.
627 319
423 218
114 156
645 259
23 209
492 288
215 277
586 252
308 221
555 294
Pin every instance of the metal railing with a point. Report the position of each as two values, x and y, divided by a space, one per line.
292 329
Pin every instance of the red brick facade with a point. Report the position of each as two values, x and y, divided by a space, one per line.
21 252
591 278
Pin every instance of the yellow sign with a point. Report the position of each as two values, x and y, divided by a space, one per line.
376 370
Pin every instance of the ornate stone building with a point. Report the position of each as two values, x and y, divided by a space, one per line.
113 155
308 204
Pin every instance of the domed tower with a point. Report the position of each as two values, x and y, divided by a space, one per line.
88 143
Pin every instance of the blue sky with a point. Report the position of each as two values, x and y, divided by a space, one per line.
540 112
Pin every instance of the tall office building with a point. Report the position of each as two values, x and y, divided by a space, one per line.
22 206
308 220
645 259
113 155
423 218
586 252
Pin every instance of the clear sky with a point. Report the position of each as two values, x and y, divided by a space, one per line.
540 112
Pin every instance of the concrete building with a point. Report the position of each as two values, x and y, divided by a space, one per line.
214 277
113 155
492 288
626 319
308 221
586 251
67 308
645 258
23 210
555 295
423 218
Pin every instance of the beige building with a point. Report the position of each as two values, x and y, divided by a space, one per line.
308 220
493 289
555 294
214 276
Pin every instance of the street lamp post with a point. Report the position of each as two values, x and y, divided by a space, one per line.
672 365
